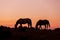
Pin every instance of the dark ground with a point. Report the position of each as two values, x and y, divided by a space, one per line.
28 34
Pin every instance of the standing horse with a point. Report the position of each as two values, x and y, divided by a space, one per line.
43 22
24 21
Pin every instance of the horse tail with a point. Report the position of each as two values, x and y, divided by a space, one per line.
16 25
36 26
31 24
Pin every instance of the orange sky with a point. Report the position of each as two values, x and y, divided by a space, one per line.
12 10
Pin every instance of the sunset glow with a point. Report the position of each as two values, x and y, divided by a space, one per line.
12 10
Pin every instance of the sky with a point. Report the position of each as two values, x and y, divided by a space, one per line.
12 10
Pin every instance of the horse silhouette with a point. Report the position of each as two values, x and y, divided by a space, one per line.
24 21
42 22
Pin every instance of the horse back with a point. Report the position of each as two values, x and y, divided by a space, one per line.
46 21
25 20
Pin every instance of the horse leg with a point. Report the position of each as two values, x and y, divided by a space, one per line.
48 25
21 25
29 25
45 27
40 27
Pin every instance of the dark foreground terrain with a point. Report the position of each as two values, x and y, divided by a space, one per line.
28 34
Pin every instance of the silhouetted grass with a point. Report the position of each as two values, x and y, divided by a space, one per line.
24 33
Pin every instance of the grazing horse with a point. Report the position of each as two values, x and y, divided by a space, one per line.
43 22
23 21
